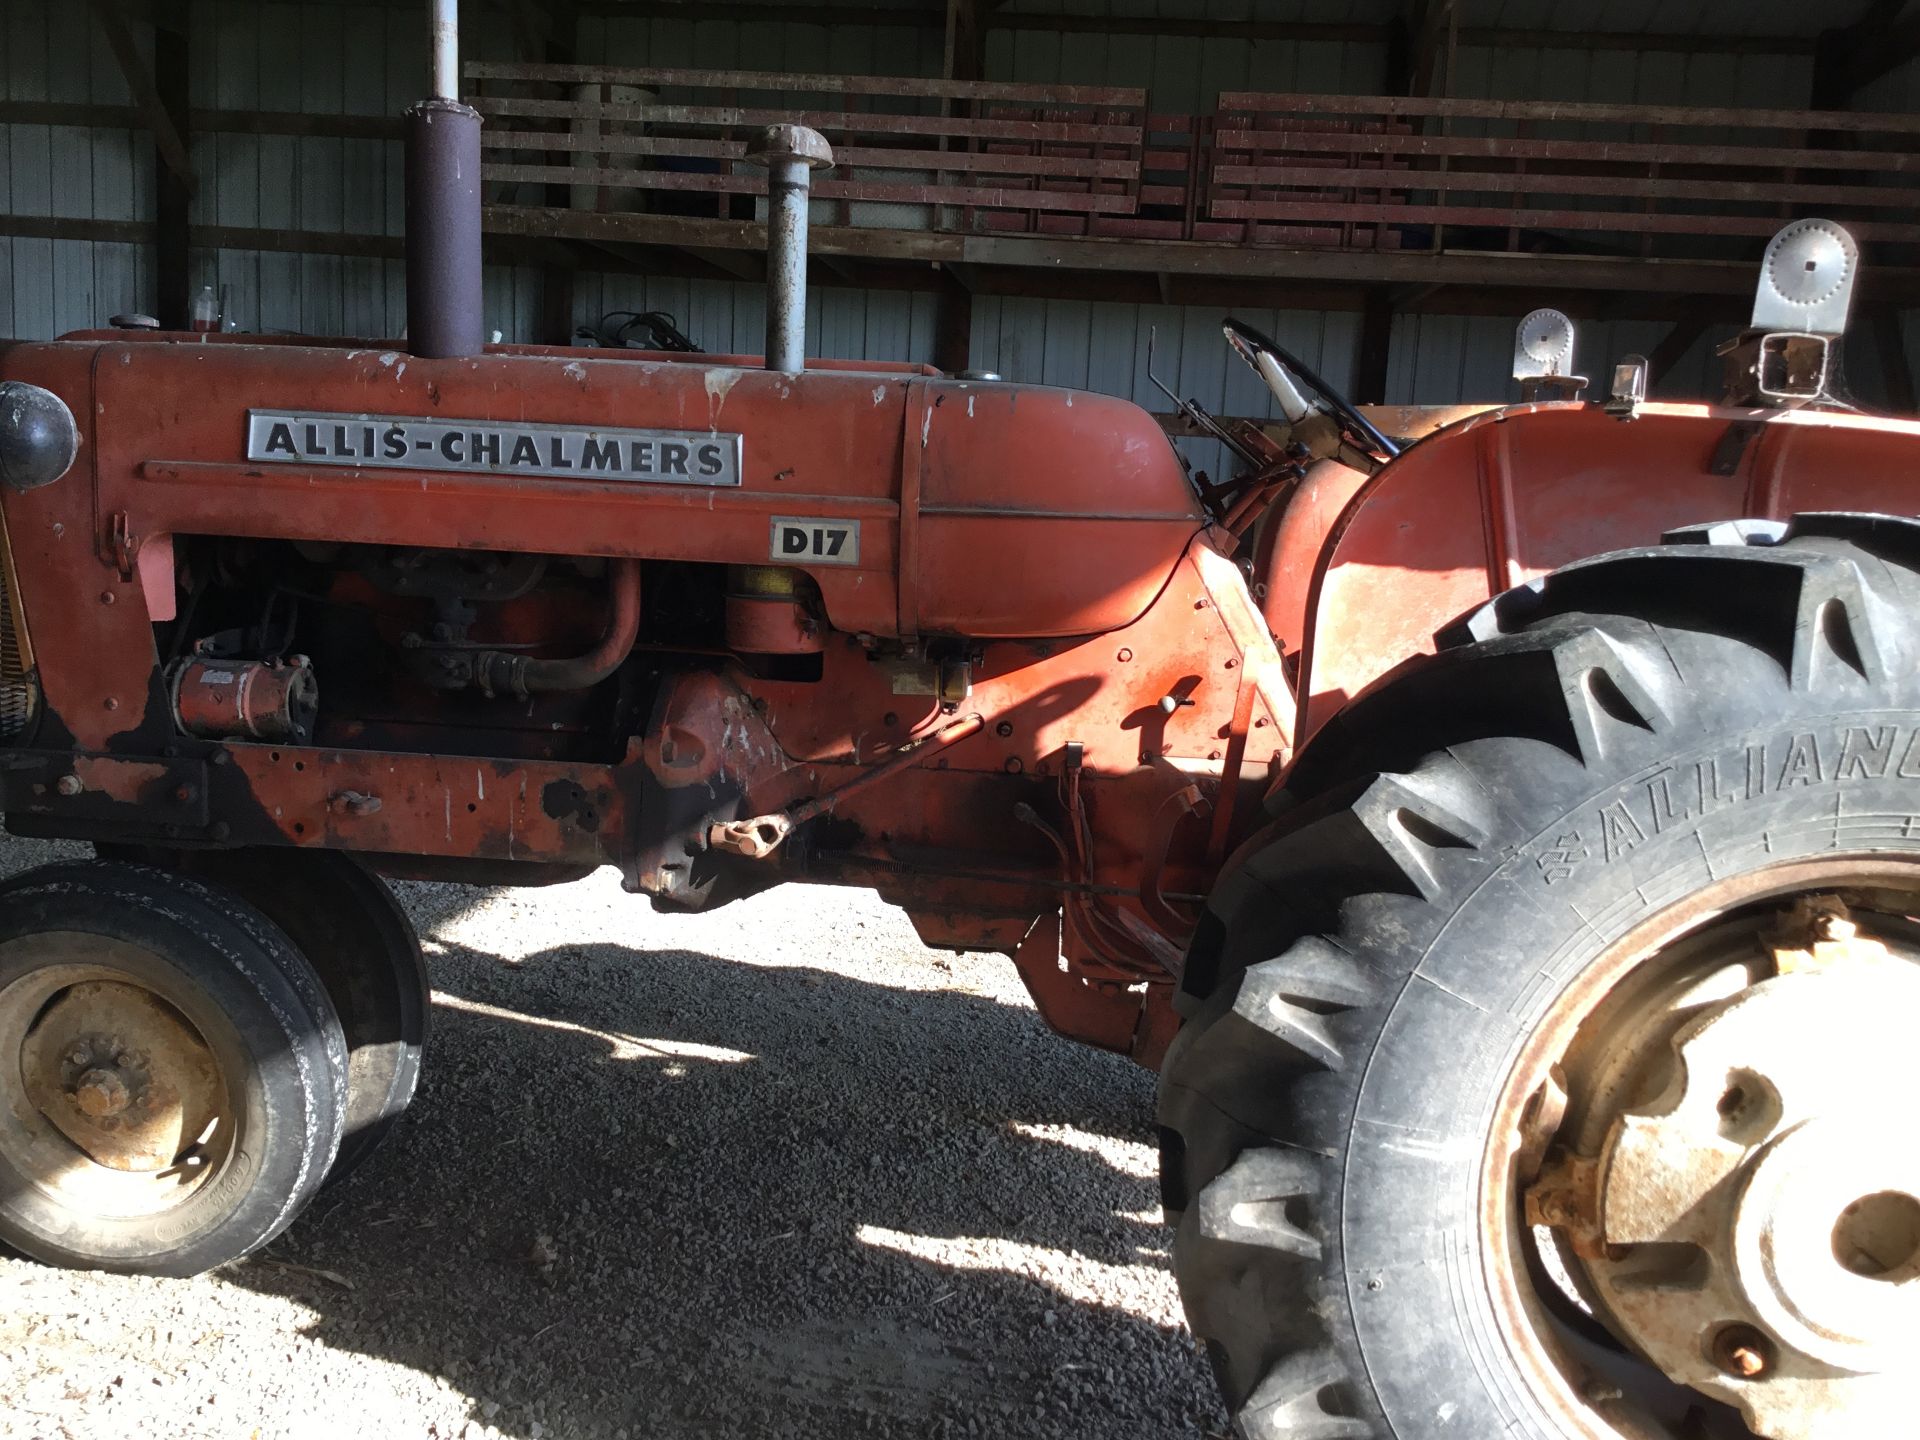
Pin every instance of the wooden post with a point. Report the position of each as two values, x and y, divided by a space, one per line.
1675 344
1376 348
952 324
173 190
1895 369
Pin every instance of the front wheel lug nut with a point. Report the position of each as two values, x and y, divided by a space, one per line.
1743 1352
78 1055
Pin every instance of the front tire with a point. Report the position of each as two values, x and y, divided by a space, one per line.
172 1074
346 922
1593 774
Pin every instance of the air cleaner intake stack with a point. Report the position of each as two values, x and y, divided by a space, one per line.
791 154
444 310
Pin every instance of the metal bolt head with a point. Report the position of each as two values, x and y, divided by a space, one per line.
790 142
100 1093
68 785
1743 1352
79 1055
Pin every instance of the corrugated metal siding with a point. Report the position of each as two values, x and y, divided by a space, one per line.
1649 77
1459 359
1185 74
722 44
55 52
1673 17
726 317
321 59
313 59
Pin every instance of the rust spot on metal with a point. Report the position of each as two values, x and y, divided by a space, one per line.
565 800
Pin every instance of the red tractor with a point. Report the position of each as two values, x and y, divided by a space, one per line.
1505 846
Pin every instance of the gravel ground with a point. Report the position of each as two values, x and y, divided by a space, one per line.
775 1171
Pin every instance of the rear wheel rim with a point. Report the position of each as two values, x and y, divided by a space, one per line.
1614 1066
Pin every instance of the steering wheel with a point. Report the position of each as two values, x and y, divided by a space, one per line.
1249 344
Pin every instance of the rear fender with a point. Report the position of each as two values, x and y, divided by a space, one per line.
1506 496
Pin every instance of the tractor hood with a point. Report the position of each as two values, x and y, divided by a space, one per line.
918 504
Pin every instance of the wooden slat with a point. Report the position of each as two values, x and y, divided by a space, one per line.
898 158
1628 222
1425 107
1056 255
826 188
1619 152
1535 181
683 145
899 85
836 121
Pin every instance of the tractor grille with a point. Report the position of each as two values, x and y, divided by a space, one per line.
19 690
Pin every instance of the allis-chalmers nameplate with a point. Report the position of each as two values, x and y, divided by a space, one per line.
488 447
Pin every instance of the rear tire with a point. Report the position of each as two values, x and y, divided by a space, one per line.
172 1074
1456 850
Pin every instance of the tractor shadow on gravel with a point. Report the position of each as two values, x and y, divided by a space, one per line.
664 1194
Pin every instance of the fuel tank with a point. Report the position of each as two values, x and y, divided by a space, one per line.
919 504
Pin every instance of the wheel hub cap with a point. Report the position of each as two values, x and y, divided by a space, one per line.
117 1071
1752 1221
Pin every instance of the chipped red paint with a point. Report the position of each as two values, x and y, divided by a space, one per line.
1037 551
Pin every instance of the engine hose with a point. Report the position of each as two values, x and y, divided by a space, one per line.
496 672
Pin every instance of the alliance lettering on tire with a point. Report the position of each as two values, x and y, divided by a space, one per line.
1678 795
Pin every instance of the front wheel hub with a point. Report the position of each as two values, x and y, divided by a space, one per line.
1751 1222
121 1074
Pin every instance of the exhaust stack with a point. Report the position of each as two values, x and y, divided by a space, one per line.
444 307
791 154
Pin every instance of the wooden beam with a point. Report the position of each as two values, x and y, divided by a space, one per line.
930 17
1181 28
1301 279
965 56
1522 273
1376 348
952 324
1396 71
1477 36
1675 344
66 227
1435 38
555 325
154 112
